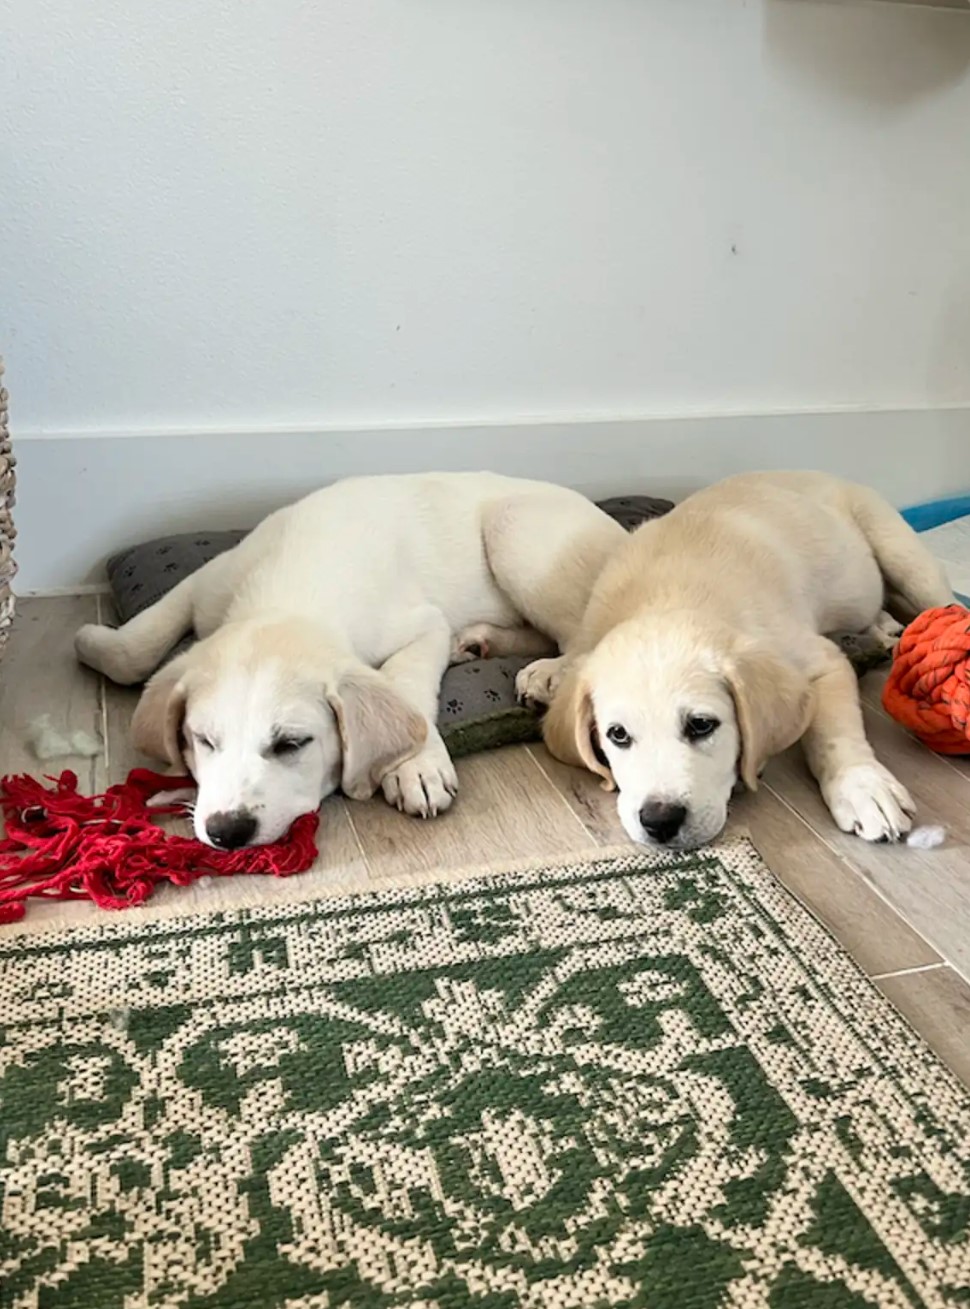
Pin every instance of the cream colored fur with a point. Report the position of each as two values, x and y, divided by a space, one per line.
717 613
325 633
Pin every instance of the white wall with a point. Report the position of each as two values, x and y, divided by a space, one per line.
279 214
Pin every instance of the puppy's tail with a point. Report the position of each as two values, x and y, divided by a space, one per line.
914 579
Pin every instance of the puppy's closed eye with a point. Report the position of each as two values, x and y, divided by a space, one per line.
289 745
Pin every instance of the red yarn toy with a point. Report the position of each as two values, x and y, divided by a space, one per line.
928 688
107 848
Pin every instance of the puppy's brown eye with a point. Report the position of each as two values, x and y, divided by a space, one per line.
698 726
290 745
203 742
619 736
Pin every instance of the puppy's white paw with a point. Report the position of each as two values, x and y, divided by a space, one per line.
538 682
470 643
886 630
104 650
423 786
91 643
866 799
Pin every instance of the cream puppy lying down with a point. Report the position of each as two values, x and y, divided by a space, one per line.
702 653
325 633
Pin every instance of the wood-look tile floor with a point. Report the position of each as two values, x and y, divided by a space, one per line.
902 913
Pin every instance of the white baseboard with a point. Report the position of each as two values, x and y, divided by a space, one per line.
48 592
82 496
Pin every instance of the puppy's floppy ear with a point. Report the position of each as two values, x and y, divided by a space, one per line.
773 701
156 726
378 730
569 727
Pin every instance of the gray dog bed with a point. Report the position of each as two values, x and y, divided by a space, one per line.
477 710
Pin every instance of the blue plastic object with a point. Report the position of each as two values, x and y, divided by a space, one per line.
937 512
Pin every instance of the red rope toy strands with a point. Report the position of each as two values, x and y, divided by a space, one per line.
108 848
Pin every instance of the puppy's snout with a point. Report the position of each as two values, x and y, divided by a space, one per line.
662 819
231 830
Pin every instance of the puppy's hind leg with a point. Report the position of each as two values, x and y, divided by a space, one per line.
129 654
546 551
486 641
862 795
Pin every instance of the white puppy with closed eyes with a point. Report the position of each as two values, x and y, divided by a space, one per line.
325 633
703 652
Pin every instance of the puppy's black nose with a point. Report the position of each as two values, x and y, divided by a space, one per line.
662 820
231 830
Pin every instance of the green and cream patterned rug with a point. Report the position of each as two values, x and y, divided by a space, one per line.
655 1085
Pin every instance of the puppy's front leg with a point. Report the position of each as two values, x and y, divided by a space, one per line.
863 796
426 784
537 683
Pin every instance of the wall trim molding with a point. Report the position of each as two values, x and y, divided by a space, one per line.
267 431
82 496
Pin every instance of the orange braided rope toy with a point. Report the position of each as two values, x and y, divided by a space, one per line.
928 688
